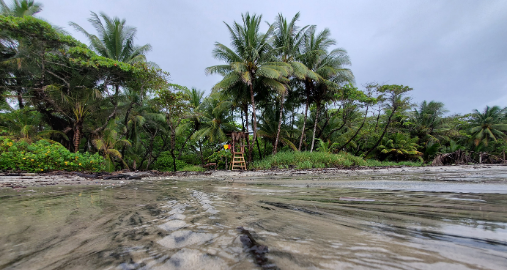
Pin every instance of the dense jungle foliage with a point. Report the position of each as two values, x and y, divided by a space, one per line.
103 106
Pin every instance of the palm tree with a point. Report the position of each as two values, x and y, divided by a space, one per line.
250 61
327 72
20 8
288 39
115 40
195 99
400 145
428 120
216 121
489 125
107 146
269 129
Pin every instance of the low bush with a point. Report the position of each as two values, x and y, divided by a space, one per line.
45 155
165 163
307 160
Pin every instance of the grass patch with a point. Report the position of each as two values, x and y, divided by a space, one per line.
307 160
192 168
377 163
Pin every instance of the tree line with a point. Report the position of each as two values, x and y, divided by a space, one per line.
289 86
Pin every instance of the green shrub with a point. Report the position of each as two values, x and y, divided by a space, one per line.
220 157
193 168
45 155
165 163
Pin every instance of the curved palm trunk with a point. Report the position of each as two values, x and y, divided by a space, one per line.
357 131
279 125
383 134
315 126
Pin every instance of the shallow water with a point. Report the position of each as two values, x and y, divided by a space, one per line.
408 220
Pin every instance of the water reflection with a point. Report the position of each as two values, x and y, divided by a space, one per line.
285 224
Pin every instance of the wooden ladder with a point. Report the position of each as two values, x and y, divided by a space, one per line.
238 161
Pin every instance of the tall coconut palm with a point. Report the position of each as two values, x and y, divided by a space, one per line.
314 46
329 68
488 125
115 39
287 42
250 61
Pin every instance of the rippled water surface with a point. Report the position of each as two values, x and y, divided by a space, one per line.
431 220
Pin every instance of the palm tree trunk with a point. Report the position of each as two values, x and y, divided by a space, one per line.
279 126
315 125
248 144
183 146
173 145
200 152
19 95
77 136
304 126
254 117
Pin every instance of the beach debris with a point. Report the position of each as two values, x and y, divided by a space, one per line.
257 250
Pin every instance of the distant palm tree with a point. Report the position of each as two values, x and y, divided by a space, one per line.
107 145
216 121
488 125
428 120
20 8
115 39
250 61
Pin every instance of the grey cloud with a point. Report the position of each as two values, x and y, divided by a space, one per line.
449 51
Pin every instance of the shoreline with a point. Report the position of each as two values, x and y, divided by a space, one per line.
24 180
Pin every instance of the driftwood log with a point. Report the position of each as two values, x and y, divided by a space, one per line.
461 157
457 157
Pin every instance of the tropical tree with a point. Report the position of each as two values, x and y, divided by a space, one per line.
174 103
115 39
395 102
488 126
250 61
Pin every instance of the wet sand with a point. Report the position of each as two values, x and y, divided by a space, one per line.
437 173
399 218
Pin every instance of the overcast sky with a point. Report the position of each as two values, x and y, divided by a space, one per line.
449 51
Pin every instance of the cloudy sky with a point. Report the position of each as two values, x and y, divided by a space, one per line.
449 51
